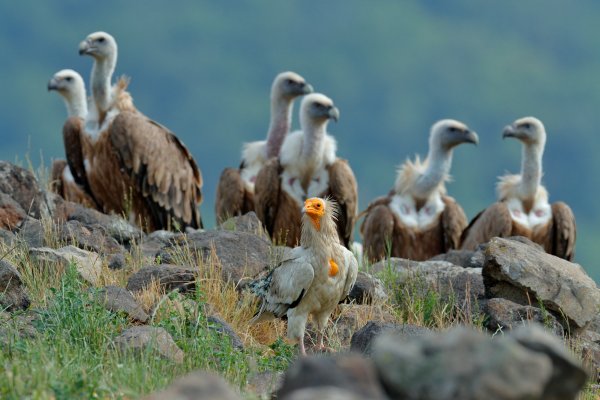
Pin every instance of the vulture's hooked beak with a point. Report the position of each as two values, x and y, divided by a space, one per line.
53 84
471 137
307 88
314 208
510 131
85 47
334 114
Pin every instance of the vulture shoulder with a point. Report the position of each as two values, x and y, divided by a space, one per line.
72 131
266 193
343 189
493 221
230 194
286 285
454 222
377 228
563 232
162 166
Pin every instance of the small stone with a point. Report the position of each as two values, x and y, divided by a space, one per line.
116 261
88 264
199 385
170 277
117 299
506 315
218 325
367 290
363 339
245 223
139 338
13 294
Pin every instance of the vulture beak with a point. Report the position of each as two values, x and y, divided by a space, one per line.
85 47
509 131
334 114
53 84
314 207
471 137
306 88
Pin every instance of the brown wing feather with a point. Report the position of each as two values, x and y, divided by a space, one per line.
454 222
491 222
266 194
377 229
342 188
161 167
56 182
564 231
230 195
72 131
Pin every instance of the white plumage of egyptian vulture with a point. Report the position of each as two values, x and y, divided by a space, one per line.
133 165
69 84
235 192
523 208
417 220
312 279
307 166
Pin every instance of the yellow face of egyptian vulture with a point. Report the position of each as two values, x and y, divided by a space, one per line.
315 209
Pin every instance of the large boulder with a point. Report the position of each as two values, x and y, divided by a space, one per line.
199 385
169 277
87 263
463 285
23 188
463 363
139 339
240 254
11 213
504 315
526 275
349 372
13 295
90 237
363 339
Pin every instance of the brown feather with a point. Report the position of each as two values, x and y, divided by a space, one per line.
491 222
233 199
562 233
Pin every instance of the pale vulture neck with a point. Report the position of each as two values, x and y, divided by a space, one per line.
531 170
319 242
102 72
76 104
438 164
281 120
313 144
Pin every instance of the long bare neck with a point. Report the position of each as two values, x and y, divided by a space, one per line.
438 163
531 171
318 241
281 121
76 104
312 149
102 72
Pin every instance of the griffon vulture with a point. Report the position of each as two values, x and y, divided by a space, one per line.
307 166
417 220
133 165
312 279
235 193
523 208
71 87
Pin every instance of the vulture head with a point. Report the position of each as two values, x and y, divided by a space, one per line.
528 130
321 214
448 133
99 45
317 109
290 85
67 82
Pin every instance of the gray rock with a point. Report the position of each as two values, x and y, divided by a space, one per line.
23 188
199 385
16 326
240 254
350 372
87 263
245 223
117 299
116 261
11 213
141 338
8 238
32 233
363 339
91 237
459 364
153 243
590 355
218 325
13 294
463 285
568 377
522 273
170 277
323 393
264 384
367 290
506 315
462 258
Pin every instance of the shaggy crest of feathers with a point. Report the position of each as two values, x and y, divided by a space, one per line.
410 171
508 188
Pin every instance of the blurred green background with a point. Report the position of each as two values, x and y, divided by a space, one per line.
204 69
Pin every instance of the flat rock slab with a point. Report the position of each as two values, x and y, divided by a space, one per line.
139 338
363 339
13 294
198 385
87 263
240 254
526 275
170 277
504 315
465 364
118 299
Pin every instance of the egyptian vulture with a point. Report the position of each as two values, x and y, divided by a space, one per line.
523 208
235 193
417 220
133 165
70 86
312 279
307 166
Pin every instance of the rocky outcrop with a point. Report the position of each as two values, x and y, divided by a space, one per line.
13 295
139 339
526 275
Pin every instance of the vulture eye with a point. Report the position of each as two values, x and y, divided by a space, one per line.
526 125
289 81
318 205
453 129
101 40
68 79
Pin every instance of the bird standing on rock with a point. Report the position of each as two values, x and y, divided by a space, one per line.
312 279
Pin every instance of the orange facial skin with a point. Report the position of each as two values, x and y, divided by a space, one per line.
315 209
333 268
